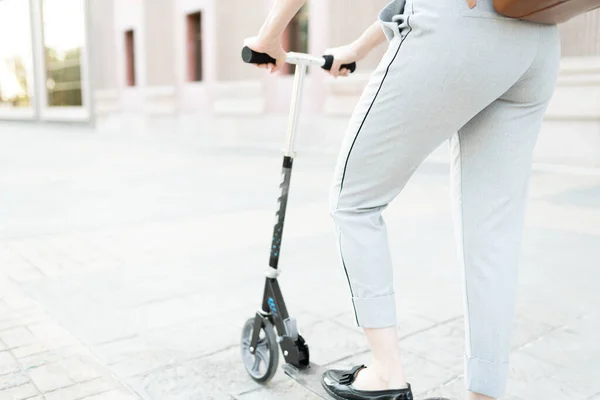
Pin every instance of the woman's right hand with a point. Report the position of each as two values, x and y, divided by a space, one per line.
342 55
272 47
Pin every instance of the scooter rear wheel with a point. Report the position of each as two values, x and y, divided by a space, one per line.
262 365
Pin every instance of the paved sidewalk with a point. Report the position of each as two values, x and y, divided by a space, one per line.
128 264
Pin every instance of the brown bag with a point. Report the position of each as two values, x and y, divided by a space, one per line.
544 11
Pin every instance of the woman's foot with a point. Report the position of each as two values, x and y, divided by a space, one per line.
340 384
369 379
377 377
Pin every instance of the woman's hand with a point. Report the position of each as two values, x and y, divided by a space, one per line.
357 50
342 55
471 3
268 46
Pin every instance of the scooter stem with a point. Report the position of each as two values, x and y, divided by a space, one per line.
294 109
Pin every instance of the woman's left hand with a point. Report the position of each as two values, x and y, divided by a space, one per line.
342 55
269 46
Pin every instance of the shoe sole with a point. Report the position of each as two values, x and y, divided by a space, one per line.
336 397
329 392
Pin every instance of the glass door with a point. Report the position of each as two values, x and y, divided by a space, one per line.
63 77
16 61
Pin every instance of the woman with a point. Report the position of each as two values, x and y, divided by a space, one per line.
458 71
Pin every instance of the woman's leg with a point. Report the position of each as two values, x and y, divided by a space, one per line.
386 370
490 171
440 72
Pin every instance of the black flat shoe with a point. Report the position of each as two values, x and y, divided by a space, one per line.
338 384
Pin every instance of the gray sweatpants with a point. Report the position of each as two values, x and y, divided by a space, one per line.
484 82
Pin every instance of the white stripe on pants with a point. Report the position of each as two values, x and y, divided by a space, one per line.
484 82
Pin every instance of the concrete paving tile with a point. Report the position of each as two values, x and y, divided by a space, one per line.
13 379
25 274
526 331
138 365
48 357
117 394
48 260
132 356
52 335
15 319
50 377
13 265
16 337
204 304
329 341
194 339
160 314
408 323
114 351
281 390
443 345
415 295
80 251
567 348
83 390
29 350
455 390
82 369
303 318
8 363
5 311
16 301
19 392
226 370
575 354
531 378
175 383
109 326
588 325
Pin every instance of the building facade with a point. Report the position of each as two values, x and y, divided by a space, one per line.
123 63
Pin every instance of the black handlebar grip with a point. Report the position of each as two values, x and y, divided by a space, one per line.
329 62
252 57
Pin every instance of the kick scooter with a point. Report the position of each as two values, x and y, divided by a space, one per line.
260 344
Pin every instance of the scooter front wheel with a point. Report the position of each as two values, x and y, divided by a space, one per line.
262 365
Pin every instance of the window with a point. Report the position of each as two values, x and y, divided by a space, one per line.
16 61
64 35
130 57
194 47
295 37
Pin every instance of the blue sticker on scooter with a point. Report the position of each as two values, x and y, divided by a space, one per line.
272 306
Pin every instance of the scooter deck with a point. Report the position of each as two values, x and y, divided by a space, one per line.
310 378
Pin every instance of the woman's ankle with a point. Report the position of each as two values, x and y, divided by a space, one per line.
477 396
391 372
397 381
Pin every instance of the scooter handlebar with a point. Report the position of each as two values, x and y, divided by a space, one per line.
329 62
252 57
